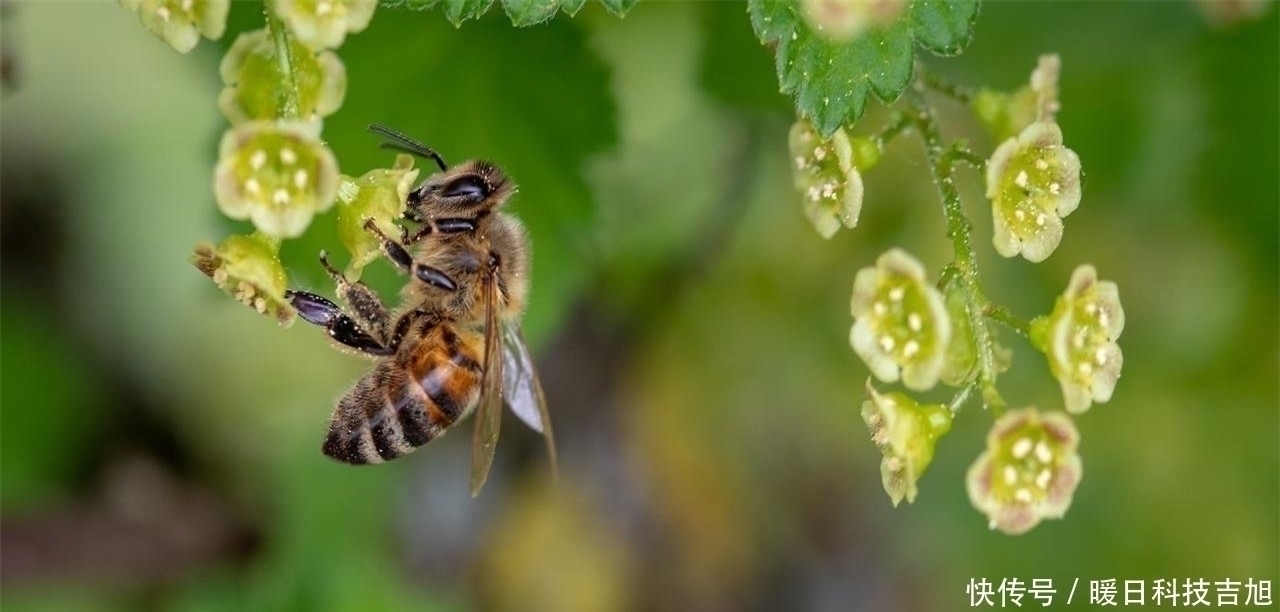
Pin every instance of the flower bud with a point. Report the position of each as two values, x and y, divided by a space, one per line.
905 432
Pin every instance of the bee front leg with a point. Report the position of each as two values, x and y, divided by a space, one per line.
401 258
419 234
368 309
444 226
319 311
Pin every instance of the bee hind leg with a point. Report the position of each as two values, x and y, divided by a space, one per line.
343 329
366 306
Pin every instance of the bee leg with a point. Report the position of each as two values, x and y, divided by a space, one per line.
401 258
319 311
434 277
422 232
367 308
455 226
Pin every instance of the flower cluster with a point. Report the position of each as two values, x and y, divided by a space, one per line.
824 174
1029 471
901 325
906 328
905 432
1079 339
273 169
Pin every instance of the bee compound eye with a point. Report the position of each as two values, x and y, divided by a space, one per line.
468 186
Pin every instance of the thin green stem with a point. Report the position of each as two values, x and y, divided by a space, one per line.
1000 315
956 92
289 109
900 123
959 230
949 275
961 153
961 396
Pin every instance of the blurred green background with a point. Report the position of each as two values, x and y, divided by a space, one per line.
159 444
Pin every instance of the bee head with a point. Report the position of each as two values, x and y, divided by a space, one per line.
465 190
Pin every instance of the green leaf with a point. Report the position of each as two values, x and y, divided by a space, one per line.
483 93
412 5
530 12
619 7
830 81
944 27
771 19
522 12
458 11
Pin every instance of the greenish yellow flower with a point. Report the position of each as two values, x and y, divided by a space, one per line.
254 82
1033 181
277 174
379 195
905 432
842 21
181 23
248 268
1028 472
324 24
1079 339
824 174
901 325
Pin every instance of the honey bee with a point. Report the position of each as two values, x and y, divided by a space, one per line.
454 346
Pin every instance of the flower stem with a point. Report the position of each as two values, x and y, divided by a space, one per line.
961 153
959 230
958 93
284 58
1000 315
900 123
961 396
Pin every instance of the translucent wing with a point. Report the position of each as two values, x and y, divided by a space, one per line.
489 413
521 389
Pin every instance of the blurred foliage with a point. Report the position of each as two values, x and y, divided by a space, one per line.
692 329
522 12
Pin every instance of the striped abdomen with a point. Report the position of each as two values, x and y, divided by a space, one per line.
408 400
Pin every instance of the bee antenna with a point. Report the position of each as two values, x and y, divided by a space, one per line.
400 142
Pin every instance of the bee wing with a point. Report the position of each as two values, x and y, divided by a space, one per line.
521 389
488 418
